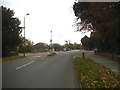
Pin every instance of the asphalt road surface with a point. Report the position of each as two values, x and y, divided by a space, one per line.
41 72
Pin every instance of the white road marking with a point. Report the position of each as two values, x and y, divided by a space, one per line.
24 65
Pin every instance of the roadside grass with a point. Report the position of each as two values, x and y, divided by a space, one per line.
13 58
94 75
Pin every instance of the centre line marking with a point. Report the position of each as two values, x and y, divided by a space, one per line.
24 65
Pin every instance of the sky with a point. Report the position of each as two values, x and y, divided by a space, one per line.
46 15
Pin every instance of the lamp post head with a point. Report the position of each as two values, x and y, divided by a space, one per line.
27 14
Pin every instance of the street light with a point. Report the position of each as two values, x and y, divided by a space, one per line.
24 33
51 41
51 38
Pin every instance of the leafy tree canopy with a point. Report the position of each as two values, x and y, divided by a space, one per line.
103 20
10 31
96 15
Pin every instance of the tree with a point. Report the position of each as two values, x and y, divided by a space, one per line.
87 42
56 47
28 46
95 15
76 46
10 31
103 20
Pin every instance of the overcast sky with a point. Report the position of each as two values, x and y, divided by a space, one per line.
46 15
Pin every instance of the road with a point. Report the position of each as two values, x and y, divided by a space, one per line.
41 72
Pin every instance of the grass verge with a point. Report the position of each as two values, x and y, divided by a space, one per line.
94 75
13 58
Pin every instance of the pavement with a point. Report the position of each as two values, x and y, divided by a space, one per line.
35 72
111 64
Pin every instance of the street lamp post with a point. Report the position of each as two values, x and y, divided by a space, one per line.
24 34
51 41
51 38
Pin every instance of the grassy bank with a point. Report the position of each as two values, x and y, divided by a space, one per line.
93 75
12 58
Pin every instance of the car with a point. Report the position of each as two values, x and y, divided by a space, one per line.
52 53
